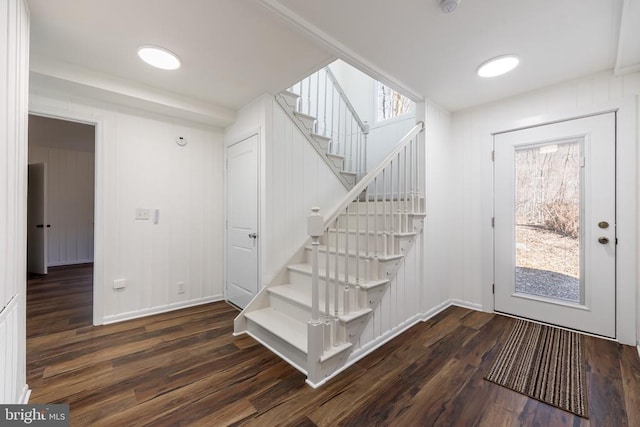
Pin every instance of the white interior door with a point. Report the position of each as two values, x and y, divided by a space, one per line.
37 227
555 236
242 221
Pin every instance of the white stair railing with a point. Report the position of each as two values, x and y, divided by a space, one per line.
322 97
391 194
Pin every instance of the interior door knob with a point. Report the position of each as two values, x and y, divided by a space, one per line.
253 235
603 240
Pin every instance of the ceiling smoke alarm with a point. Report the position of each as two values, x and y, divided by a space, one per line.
449 6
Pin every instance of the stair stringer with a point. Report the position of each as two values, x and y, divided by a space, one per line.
305 124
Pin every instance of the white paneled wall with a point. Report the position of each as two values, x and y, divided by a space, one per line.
14 75
70 193
297 179
293 179
139 165
467 158
384 136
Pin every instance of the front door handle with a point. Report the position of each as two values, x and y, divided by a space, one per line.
253 235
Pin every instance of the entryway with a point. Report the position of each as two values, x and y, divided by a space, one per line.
555 223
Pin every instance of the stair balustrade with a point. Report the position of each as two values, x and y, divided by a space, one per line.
320 96
374 219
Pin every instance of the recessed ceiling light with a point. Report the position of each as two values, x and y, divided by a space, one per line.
159 57
498 66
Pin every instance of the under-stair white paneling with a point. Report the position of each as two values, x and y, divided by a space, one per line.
140 166
70 193
297 179
14 79
467 159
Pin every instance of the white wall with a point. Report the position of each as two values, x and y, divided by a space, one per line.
293 179
360 89
139 165
469 201
70 193
14 74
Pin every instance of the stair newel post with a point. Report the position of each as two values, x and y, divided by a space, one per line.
315 327
315 229
345 300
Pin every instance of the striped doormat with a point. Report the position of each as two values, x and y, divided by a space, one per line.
544 363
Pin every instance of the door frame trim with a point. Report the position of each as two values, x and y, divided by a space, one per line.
257 132
627 187
99 207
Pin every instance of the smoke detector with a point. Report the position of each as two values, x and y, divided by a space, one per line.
449 6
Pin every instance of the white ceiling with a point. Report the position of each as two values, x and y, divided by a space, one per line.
235 50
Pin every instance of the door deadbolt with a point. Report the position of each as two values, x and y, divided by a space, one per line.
603 240
603 224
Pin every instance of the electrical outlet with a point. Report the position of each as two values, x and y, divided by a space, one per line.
181 287
119 284
142 214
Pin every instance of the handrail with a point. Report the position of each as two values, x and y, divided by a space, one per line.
366 180
343 95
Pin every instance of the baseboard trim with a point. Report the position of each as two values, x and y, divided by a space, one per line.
465 304
160 309
26 394
383 339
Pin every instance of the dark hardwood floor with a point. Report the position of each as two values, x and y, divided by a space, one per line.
185 368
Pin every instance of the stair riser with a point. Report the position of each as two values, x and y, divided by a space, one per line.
361 220
361 206
290 308
362 239
285 349
341 262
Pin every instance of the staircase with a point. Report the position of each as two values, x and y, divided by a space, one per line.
320 109
314 312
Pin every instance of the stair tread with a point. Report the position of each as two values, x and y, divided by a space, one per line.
318 136
304 115
290 94
302 295
336 156
285 327
306 269
323 248
348 173
403 234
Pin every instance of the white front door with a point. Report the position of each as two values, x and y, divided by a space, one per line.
242 221
555 229
37 227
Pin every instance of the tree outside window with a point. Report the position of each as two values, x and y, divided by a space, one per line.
390 103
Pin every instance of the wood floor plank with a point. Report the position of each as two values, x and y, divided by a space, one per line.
185 367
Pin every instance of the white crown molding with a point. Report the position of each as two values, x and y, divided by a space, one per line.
54 74
628 55
338 49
